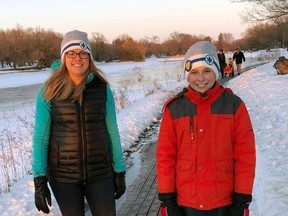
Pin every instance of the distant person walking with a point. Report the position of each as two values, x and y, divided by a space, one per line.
222 61
239 57
76 143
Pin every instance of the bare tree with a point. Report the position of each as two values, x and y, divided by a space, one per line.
129 49
4 49
153 45
45 46
224 41
265 10
99 46
16 39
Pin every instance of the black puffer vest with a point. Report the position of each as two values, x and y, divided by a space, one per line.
78 147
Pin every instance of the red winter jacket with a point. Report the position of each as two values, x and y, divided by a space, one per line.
206 148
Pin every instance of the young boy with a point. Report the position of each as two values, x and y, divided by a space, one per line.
206 148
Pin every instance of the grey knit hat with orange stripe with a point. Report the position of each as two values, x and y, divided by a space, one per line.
75 40
202 53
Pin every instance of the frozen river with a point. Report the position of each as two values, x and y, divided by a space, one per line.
20 88
18 96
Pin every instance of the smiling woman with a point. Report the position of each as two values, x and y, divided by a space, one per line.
75 58
76 141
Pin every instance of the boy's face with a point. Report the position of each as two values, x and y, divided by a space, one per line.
201 79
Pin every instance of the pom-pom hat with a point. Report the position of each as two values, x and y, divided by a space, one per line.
75 40
202 53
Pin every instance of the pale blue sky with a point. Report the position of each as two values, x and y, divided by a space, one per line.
137 18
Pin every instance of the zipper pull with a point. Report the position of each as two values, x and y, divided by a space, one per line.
191 128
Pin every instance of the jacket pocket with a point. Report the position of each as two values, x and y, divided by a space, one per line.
224 177
184 165
186 178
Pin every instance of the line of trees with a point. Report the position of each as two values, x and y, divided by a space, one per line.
20 46
270 19
37 46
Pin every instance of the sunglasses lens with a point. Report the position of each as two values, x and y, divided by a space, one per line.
188 65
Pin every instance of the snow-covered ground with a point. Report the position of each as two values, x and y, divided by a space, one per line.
262 90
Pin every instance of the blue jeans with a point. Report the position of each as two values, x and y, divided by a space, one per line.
222 211
99 195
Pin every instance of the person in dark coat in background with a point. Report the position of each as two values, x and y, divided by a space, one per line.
222 61
238 56
76 141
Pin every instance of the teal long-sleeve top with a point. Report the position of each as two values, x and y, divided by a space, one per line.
42 133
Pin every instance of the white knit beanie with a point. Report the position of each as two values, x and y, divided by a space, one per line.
75 40
202 53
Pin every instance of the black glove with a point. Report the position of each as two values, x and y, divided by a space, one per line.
42 194
120 185
241 204
169 206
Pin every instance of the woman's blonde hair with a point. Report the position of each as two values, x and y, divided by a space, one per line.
59 85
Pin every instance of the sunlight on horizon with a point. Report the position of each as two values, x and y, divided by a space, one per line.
137 18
